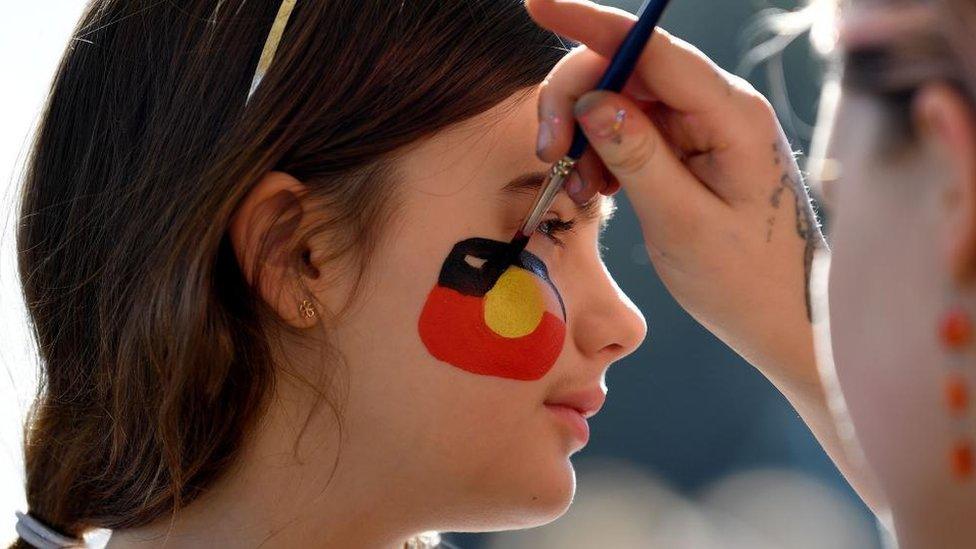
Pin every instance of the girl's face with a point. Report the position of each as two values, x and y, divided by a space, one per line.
463 400
895 206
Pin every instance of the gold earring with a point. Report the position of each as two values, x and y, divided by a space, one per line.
308 310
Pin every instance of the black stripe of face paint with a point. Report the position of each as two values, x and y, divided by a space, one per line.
475 265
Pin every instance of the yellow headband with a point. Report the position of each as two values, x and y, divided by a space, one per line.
270 45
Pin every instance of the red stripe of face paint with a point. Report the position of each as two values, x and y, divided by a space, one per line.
453 329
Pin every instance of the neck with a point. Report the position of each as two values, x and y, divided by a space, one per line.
287 494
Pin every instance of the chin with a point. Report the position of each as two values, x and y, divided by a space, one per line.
550 499
533 497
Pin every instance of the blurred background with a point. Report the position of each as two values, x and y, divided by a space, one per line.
694 448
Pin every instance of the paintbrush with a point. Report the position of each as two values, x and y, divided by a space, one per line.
613 79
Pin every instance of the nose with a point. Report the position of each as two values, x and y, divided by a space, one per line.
607 326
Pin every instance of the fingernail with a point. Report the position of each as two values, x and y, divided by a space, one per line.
600 119
574 186
545 138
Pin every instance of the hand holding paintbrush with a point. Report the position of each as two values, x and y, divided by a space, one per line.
614 78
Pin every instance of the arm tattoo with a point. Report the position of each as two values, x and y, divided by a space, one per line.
807 226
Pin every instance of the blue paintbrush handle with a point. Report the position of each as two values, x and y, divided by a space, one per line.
623 62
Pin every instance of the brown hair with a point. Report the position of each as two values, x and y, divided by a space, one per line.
154 352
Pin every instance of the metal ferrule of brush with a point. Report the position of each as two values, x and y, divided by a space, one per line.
547 194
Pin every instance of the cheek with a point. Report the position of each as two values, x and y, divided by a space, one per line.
885 296
513 328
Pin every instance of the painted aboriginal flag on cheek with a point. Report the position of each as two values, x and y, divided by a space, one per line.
491 315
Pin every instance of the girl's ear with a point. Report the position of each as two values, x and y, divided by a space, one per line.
264 232
944 119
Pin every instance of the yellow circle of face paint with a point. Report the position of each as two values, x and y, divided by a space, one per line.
514 305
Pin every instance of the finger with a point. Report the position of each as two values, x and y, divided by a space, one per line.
702 110
660 187
575 74
607 183
587 178
676 72
612 186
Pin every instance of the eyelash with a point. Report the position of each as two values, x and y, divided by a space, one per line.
554 226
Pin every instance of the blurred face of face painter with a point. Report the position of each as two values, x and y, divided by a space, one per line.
901 208
469 380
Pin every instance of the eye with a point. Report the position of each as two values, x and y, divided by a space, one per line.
554 226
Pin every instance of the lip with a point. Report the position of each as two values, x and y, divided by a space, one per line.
573 419
587 402
574 408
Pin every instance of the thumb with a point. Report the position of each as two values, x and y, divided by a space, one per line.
660 187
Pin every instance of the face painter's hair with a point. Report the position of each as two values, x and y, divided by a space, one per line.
891 70
154 352
894 69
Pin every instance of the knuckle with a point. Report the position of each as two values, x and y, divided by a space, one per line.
546 84
542 104
738 83
545 89
757 104
635 154
747 93
753 106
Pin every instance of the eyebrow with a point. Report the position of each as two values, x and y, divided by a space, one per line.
600 208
